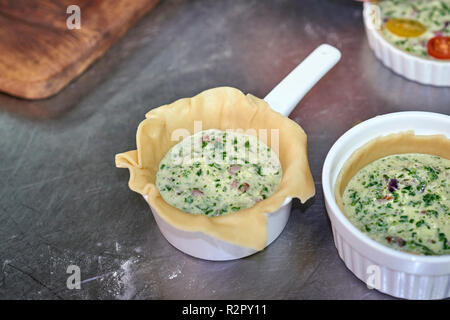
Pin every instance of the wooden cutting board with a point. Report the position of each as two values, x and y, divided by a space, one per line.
40 55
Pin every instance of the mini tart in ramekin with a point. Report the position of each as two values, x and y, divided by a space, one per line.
392 144
381 147
423 70
224 109
394 272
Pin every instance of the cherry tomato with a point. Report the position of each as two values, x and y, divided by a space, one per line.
405 27
439 47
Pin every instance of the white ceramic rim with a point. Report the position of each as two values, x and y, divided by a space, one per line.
389 51
338 214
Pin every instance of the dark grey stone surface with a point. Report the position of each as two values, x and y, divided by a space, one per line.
63 202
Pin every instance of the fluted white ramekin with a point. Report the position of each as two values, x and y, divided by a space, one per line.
390 271
425 71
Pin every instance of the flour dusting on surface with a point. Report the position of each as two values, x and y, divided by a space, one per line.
125 280
175 273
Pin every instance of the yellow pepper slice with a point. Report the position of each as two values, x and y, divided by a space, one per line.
407 28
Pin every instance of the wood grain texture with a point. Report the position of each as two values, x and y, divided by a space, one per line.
40 55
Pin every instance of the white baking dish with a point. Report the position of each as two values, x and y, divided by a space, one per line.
425 71
396 273
283 98
201 245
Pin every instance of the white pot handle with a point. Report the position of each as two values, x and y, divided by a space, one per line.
287 94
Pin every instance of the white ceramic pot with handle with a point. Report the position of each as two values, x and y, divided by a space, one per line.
394 272
283 98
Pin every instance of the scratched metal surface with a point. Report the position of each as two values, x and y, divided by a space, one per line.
63 202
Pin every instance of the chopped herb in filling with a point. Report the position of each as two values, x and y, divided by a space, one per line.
205 174
432 15
403 201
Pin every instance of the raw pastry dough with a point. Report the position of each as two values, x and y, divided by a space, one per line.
220 108
396 143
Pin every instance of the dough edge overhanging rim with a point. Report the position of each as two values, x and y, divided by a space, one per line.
219 108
